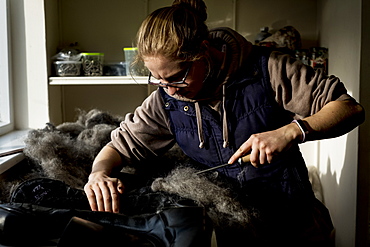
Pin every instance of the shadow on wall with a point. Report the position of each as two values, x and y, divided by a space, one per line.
338 168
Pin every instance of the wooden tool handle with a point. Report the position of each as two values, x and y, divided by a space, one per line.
10 152
245 159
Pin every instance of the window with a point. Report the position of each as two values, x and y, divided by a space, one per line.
6 120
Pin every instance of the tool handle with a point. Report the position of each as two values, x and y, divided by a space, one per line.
11 151
244 159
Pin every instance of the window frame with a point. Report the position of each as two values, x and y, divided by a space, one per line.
6 101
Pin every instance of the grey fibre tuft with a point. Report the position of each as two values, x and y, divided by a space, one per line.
66 152
220 205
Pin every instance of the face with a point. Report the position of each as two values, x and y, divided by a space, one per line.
168 71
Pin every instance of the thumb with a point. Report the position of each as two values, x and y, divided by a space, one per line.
120 187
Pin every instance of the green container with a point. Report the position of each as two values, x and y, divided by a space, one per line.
134 69
92 63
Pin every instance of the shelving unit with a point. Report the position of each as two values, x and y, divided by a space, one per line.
98 80
116 94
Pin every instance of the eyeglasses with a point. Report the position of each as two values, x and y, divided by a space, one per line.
177 84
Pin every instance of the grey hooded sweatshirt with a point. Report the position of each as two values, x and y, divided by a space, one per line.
146 132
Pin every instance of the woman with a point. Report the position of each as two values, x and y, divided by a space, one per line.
220 98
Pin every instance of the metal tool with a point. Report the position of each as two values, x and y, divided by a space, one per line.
10 151
241 161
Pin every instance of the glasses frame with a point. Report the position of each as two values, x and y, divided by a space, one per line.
177 84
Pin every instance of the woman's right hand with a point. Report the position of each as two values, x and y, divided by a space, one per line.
103 192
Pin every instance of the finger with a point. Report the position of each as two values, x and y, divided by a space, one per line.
270 156
107 197
98 197
120 187
91 197
254 158
242 151
262 157
114 198
115 202
234 158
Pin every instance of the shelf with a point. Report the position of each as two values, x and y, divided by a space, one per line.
98 80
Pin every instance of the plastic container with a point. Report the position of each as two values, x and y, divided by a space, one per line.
67 68
114 69
134 69
92 63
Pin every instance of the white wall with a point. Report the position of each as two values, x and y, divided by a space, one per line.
340 30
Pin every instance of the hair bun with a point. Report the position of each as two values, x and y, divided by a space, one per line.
197 6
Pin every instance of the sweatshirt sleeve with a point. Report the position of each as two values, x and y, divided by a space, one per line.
299 88
145 133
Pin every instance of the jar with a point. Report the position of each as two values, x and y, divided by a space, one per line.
134 67
92 64
67 68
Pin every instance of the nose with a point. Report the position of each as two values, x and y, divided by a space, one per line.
171 90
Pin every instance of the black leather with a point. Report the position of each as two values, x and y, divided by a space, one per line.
49 193
178 226
28 225
80 232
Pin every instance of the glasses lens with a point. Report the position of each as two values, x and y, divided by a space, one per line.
179 84
154 81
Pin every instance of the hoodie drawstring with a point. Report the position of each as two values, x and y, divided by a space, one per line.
199 125
225 132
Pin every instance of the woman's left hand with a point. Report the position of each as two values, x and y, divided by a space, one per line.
264 147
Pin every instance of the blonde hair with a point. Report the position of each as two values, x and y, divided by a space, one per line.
175 32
